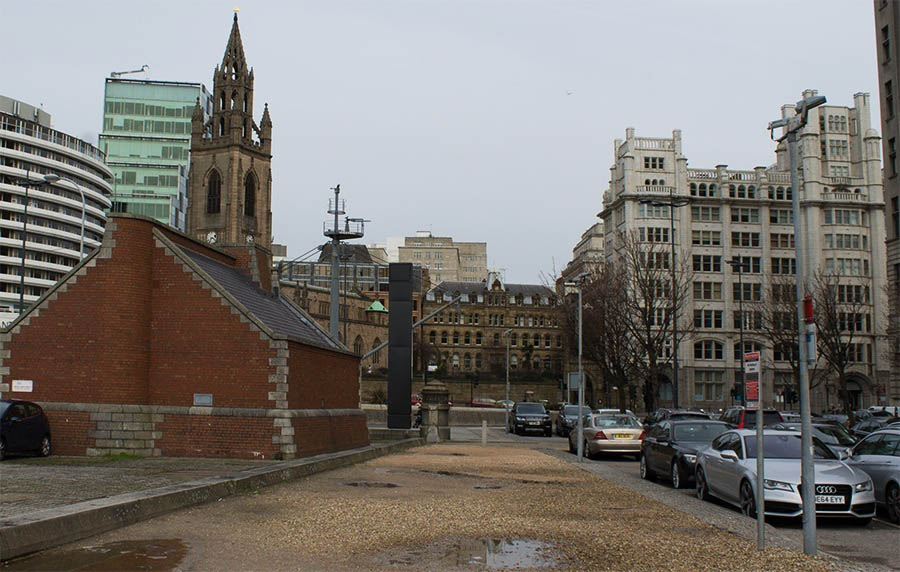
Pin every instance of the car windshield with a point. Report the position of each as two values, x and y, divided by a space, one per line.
530 408
769 418
573 410
688 415
697 431
829 433
616 421
784 447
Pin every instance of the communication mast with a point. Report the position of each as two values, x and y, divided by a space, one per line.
352 228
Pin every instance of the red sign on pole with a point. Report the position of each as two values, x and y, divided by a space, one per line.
751 379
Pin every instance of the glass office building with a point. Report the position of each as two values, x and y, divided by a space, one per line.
147 140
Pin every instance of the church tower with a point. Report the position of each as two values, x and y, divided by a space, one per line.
230 184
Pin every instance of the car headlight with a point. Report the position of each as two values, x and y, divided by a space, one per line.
520 419
777 485
690 459
863 486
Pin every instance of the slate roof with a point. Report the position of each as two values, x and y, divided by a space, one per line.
272 310
480 288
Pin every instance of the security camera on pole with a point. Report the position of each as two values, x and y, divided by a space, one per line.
792 126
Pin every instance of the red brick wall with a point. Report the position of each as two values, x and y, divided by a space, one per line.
91 343
69 432
322 379
198 346
316 435
186 242
210 436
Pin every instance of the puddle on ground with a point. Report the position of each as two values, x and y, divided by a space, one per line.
156 555
372 484
486 552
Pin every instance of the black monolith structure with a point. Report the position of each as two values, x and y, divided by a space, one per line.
400 346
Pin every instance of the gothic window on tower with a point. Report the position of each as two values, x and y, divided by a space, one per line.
222 101
214 193
234 96
221 126
250 195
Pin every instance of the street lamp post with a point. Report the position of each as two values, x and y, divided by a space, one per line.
578 282
792 126
739 265
51 178
672 203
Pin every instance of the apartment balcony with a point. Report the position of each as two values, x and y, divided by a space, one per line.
843 197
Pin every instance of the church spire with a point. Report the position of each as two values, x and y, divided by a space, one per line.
233 60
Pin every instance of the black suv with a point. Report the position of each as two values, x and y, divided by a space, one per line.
568 417
528 416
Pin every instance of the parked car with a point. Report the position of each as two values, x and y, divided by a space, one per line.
568 417
673 414
415 399
620 433
838 439
878 455
482 402
836 417
670 448
507 403
790 416
727 470
529 416
24 428
885 410
740 417
614 412
866 426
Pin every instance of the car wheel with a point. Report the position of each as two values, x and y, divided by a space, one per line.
702 489
45 446
748 503
586 451
646 473
548 433
677 480
892 500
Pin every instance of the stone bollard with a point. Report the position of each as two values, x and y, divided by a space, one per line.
435 412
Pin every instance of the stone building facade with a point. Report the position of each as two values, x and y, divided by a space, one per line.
587 255
470 337
748 214
887 39
445 260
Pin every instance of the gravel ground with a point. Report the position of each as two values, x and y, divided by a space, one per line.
425 509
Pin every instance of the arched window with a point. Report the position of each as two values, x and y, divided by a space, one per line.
221 126
513 339
467 361
712 190
213 193
536 363
250 195
751 192
547 363
456 337
455 361
222 101
525 339
478 361
244 130
547 342
245 103
358 345
496 339
708 349
477 338
467 338
444 337
376 357
693 189
513 361
234 97
431 336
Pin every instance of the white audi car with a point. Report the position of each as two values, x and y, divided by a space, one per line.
726 469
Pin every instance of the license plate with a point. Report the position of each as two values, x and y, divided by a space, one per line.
534 422
829 499
623 436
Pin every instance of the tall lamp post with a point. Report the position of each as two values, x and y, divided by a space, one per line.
578 283
738 264
792 126
42 180
672 202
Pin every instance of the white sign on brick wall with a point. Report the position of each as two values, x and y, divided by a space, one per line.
23 385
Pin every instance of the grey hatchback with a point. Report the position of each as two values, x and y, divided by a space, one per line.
23 428
878 455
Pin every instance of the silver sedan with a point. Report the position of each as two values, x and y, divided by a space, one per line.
879 456
727 470
620 433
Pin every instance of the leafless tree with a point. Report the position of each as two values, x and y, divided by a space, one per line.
842 314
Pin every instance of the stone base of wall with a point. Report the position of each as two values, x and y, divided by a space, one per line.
460 390
94 429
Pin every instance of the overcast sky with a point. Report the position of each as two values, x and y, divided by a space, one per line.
483 120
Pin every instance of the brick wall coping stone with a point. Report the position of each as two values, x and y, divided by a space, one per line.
45 529
193 410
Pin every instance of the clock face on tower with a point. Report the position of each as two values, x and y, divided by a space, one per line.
211 237
249 239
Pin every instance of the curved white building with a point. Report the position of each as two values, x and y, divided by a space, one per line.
30 149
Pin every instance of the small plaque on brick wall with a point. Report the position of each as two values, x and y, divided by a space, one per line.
24 385
203 399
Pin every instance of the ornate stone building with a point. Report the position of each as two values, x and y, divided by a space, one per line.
469 337
230 188
748 214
